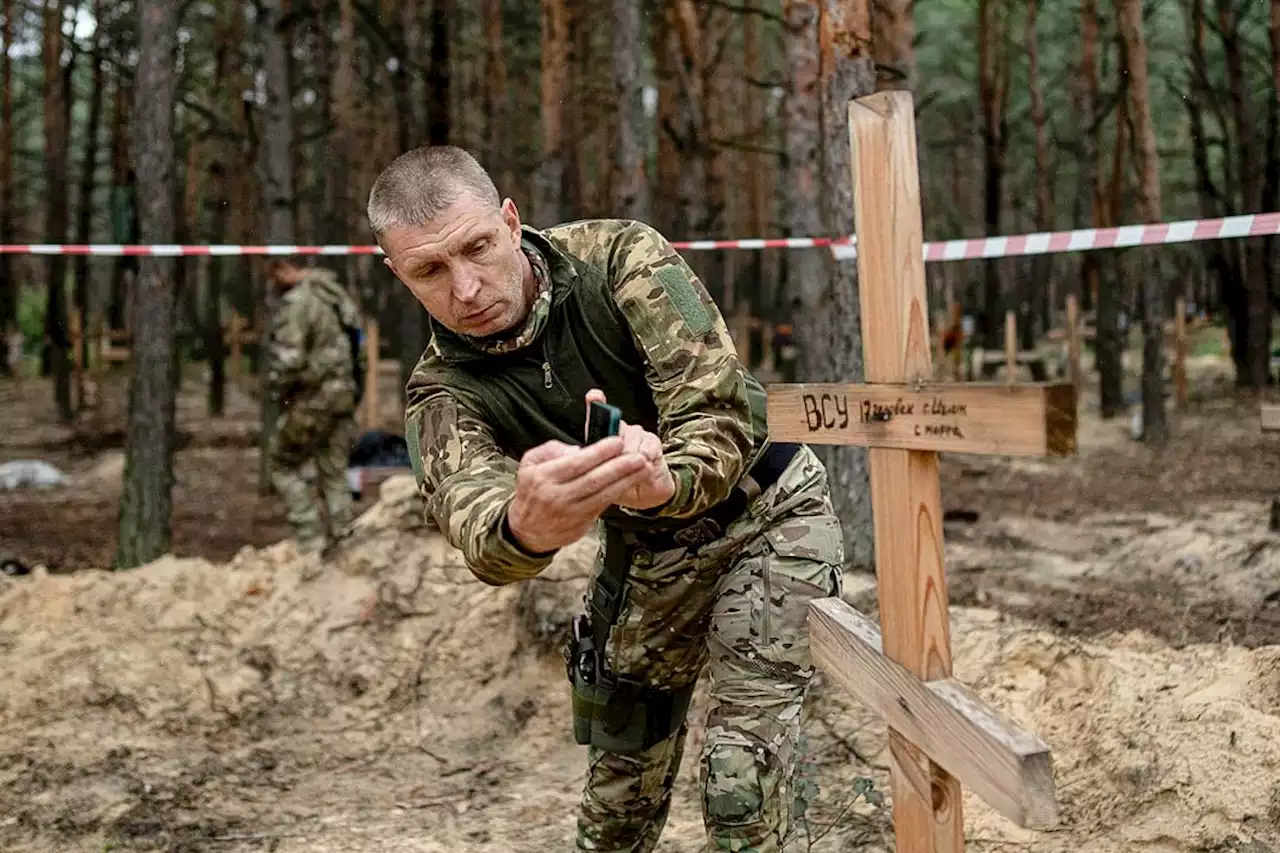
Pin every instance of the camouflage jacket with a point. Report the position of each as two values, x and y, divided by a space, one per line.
617 309
310 358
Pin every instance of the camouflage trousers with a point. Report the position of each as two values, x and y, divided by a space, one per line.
736 609
308 466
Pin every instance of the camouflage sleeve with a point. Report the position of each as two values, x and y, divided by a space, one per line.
468 483
698 383
288 356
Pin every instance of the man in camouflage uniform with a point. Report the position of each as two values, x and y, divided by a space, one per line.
726 536
312 373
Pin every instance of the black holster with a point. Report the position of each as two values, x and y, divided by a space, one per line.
615 713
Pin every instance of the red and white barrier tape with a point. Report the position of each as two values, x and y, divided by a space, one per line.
1047 243
1084 239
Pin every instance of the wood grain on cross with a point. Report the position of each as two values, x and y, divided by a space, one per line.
941 734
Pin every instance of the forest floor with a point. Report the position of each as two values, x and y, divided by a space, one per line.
1122 604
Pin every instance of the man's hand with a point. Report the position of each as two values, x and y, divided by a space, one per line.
561 490
656 485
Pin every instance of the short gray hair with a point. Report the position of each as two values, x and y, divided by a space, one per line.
418 185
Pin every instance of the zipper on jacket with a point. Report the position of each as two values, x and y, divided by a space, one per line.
546 375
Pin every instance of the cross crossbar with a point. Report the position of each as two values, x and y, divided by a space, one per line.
1009 768
996 418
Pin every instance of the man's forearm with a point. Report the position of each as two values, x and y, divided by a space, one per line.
473 516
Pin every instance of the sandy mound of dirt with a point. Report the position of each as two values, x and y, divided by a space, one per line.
387 701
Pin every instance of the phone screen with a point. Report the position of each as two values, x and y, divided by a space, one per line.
602 421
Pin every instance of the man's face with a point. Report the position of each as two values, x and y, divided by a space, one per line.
465 266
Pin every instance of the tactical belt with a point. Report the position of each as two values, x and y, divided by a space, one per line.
622 714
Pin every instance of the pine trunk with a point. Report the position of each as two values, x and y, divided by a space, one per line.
124 220
495 97
1155 428
1257 348
1041 278
848 73
277 185
1215 253
1087 188
146 499
892 37
549 203
1110 343
803 270
57 359
88 172
8 285
991 103
630 181
758 168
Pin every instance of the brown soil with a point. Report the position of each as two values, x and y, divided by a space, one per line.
236 697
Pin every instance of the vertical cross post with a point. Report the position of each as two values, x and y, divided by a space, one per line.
905 492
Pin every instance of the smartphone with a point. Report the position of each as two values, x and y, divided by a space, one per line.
602 421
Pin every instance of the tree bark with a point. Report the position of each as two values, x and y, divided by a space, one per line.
8 286
802 124
1040 284
691 119
1088 191
759 170
495 96
277 185
1257 349
847 73
145 502
1154 423
1209 196
555 84
630 181
88 172
892 35
991 97
57 212
1110 344
413 323
124 219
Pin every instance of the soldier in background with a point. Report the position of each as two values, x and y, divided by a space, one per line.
314 370
715 539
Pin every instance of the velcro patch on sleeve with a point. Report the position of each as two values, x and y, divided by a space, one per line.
686 300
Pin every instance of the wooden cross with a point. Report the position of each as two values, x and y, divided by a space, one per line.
941 734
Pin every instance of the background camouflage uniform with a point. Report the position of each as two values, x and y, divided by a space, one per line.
310 371
735 608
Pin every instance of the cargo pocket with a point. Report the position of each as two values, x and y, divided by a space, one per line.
732 796
803 563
